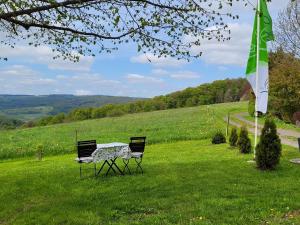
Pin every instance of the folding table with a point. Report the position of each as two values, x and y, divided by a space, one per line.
108 154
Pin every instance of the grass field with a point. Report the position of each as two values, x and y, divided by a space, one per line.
188 182
194 123
186 179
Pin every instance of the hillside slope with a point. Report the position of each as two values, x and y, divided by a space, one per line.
192 123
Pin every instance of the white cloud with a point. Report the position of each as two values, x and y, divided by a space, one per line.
233 52
183 75
179 75
137 78
19 79
158 61
82 92
160 72
44 55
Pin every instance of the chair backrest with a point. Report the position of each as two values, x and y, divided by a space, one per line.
86 148
137 144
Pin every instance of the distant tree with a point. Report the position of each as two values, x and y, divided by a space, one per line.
268 150
244 142
162 27
284 85
98 113
59 118
44 121
117 111
8 123
80 114
29 124
287 29
193 101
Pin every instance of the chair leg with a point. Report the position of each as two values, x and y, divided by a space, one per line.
80 171
126 162
138 164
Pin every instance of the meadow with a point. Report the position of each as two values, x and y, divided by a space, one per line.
185 182
194 123
186 179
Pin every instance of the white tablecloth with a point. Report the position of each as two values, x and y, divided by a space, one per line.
110 151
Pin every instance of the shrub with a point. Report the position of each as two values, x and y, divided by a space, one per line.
244 142
218 138
268 150
39 152
233 137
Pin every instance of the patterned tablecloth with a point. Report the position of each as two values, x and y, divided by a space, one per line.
110 151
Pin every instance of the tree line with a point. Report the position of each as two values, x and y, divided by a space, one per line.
229 90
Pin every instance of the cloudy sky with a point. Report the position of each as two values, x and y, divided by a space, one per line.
32 70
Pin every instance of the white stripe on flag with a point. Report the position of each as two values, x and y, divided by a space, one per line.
263 87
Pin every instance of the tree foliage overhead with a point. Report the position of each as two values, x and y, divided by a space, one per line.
162 27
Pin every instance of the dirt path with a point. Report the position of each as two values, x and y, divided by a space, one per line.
288 137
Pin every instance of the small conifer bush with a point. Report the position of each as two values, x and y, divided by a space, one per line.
218 138
39 152
233 137
268 150
244 142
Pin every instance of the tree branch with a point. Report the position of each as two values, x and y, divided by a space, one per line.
52 27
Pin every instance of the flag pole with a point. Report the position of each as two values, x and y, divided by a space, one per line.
257 73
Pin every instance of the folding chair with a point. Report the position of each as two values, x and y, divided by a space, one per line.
85 150
137 147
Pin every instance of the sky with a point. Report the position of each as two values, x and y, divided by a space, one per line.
31 70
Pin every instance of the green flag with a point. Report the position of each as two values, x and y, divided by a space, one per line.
265 35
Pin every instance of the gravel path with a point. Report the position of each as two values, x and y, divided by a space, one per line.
287 136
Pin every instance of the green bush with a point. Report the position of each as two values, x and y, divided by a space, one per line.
233 137
268 150
39 152
244 142
218 138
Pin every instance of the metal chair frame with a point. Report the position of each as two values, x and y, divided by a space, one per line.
137 144
85 149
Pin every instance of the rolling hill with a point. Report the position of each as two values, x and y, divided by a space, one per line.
29 107
190 123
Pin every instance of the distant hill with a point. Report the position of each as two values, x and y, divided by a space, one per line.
29 107
229 90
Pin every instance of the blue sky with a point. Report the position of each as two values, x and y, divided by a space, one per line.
32 70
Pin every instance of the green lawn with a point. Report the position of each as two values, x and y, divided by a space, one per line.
195 123
187 182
